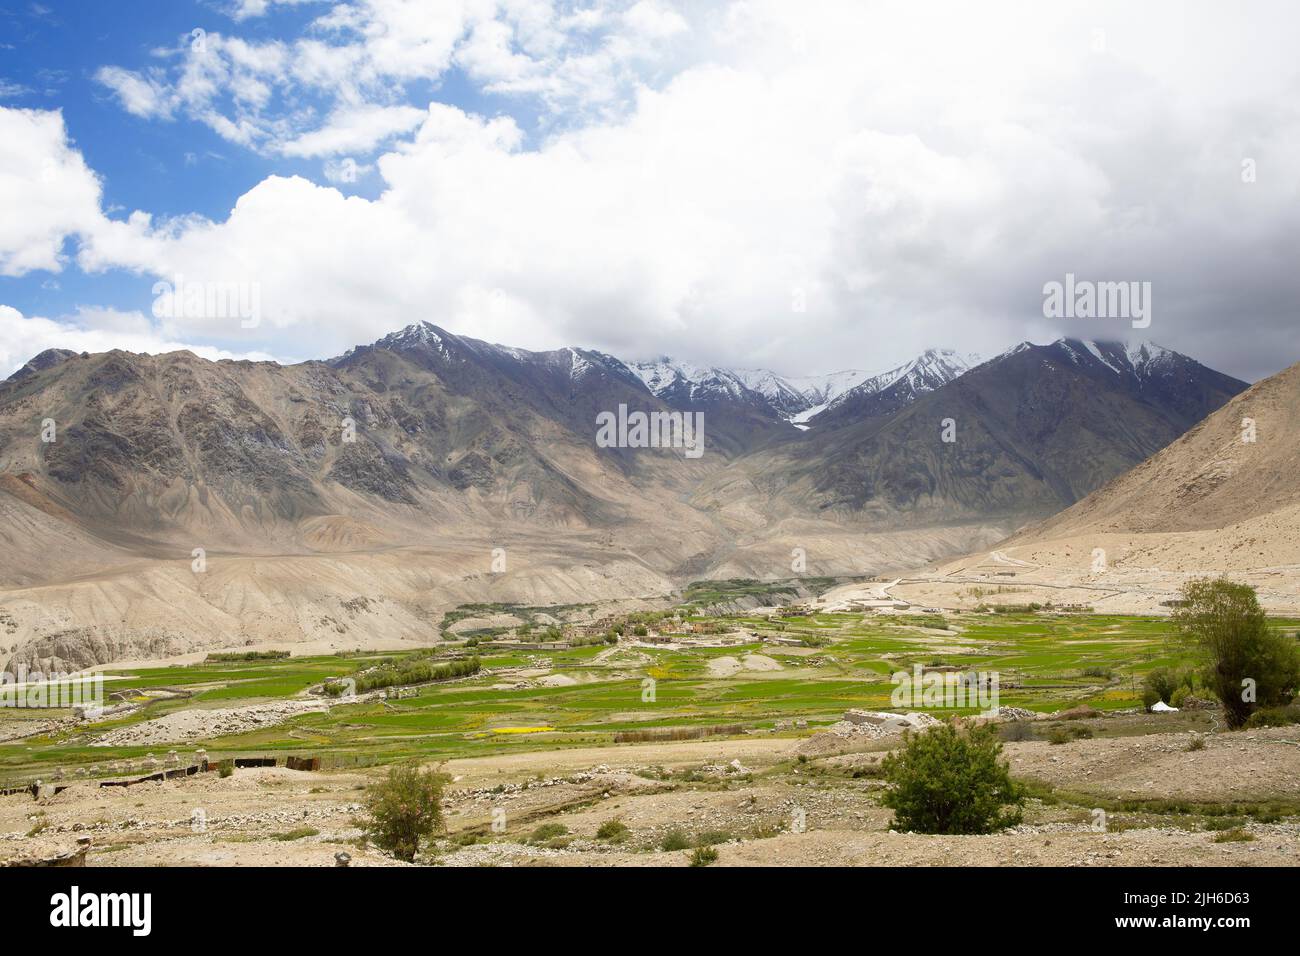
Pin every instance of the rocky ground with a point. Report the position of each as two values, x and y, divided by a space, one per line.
756 797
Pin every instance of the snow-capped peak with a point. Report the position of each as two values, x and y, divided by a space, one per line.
928 371
1123 358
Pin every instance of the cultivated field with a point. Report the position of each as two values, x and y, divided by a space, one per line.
741 744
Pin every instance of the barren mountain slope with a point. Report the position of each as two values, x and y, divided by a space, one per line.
1031 431
1220 473
1212 502
185 504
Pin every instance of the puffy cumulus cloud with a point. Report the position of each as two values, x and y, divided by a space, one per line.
46 191
359 58
580 63
90 330
826 186
818 187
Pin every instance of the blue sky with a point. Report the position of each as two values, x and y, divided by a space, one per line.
49 58
752 183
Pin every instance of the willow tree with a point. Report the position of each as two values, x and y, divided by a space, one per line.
1247 665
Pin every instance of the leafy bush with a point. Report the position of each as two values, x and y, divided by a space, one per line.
1272 717
1016 730
1234 836
1224 621
404 808
675 839
713 838
1166 682
703 856
297 833
547 831
946 781
1195 744
1060 734
615 831
225 768
1104 672
936 621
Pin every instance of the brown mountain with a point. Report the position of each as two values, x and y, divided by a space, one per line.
1221 499
1236 471
1032 431
350 501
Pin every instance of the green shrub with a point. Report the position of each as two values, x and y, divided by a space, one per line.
404 808
547 831
1166 682
713 838
946 781
1016 730
1179 697
1271 717
1225 623
296 834
1195 744
675 839
935 621
614 831
1104 672
1061 734
704 856
1215 824
225 768
1234 836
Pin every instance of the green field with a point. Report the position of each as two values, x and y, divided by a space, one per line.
1040 659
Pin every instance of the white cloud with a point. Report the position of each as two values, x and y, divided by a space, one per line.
915 186
46 191
345 170
10 90
355 130
140 95
359 57
249 9
654 20
91 330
